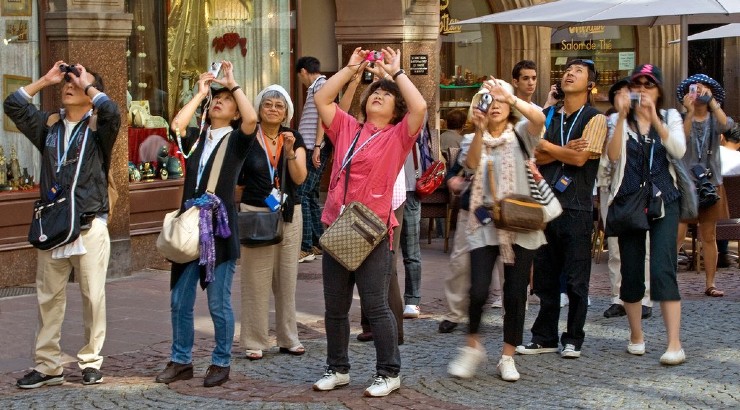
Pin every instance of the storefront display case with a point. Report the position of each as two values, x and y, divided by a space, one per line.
613 50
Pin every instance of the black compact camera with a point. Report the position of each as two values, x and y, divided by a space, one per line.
67 69
485 102
559 94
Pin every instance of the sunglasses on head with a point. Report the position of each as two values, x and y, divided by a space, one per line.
588 63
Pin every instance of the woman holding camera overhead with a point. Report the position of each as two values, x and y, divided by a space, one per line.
497 156
703 125
227 119
274 167
369 157
641 144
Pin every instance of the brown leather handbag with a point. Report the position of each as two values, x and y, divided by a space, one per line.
515 212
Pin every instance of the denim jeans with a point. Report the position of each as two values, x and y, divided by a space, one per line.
410 249
219 305
310 206
568 252
372 278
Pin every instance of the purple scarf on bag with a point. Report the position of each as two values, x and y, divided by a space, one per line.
210 204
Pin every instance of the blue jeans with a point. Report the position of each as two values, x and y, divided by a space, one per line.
182 302
372 278
310 207
410 249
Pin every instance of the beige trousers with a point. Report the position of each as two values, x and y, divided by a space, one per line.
269 268
52 276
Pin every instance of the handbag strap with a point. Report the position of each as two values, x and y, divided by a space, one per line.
349 163
217 165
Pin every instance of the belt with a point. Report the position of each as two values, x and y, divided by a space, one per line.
86 221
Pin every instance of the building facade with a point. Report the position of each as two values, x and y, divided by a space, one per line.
150 53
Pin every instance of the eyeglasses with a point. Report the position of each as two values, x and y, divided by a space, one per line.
269 106
648 85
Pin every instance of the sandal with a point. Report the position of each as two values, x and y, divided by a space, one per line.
714 292
295 351
254 354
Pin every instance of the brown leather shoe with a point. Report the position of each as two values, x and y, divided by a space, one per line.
365 336
216 375
174 372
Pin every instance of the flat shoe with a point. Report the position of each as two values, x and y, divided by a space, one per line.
254 354
714 292
295 351
637 349
673 358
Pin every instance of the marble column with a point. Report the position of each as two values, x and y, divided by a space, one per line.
94 33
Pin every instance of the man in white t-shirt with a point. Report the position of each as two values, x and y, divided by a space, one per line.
524 80
730 161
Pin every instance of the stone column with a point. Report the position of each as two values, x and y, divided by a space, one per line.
94 34
409 26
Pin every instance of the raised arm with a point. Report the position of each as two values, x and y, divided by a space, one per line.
183 117
324 98
246 110
415 102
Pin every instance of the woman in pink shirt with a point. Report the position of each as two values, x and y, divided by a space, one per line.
395 112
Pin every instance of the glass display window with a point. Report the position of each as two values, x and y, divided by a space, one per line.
612 48
20 161
468 52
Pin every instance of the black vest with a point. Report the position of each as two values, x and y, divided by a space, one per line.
579 194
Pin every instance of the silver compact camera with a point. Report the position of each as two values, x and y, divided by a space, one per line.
485 102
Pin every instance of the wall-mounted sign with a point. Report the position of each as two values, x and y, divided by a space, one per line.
446 22
419 64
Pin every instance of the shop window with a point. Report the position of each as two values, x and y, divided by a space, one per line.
20 161
612 48
468 53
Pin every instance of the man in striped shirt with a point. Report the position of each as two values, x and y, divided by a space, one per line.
309 74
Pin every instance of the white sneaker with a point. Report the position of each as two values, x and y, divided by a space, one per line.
564 300
411 312
507 369
498 303
466 362
570 352
331 380
383 386
306 256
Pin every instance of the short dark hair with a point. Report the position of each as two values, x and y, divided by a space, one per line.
98 82
593 75
311 64
522 65
400 108
733 134
456 119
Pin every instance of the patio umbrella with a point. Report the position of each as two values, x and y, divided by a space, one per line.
564 13
728 30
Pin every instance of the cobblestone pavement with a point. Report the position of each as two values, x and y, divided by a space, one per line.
605 376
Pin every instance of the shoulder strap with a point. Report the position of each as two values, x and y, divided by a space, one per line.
217 165
349 163
549 116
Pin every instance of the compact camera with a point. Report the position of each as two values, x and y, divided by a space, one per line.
215 69
692 90
485 102
374 56
67 69
635 99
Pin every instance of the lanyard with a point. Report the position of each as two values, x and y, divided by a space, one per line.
708 133
348 158
60 140
272 160
562 143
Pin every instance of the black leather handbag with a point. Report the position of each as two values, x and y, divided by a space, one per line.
54 223
628 213
260 228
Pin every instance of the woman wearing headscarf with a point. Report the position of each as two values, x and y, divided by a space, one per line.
495 152
394 113
230 119
641 143
704 123
275 150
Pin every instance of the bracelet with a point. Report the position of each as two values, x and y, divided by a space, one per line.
291 158
87 87
513 105
399 72
236 87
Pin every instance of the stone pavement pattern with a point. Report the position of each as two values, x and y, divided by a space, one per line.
605 376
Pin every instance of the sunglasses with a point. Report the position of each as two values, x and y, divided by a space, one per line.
588 63
648 85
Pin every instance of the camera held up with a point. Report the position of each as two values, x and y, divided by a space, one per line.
67 69
485 102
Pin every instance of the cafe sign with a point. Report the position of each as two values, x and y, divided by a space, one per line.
446 22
